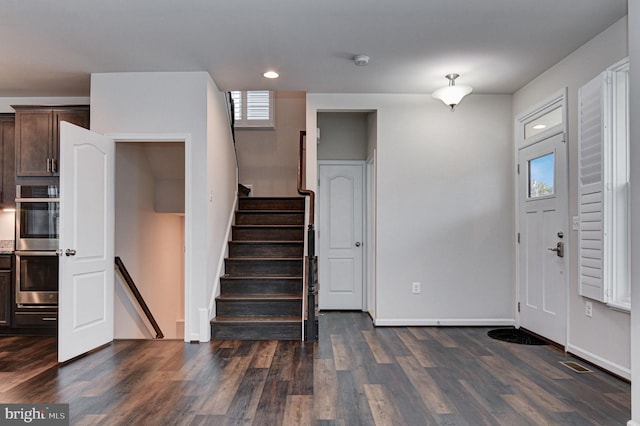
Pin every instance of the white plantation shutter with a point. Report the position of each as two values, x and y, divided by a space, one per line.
254 108
258 105
592 140
237 104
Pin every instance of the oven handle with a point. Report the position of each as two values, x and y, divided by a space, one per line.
38 253
37 200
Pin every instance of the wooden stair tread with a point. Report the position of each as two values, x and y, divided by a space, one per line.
267 241
261 277
274 211
271 296
249 259
269 226
244 320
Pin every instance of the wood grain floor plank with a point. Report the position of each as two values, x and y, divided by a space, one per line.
264 354
435 401
382 409
219 399
521 405
354 407
341 356
325 385
418 351
244 405
376 348
298 410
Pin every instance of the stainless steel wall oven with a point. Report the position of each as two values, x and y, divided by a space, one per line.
37 225
37 217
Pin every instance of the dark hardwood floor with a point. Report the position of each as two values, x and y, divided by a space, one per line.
356 375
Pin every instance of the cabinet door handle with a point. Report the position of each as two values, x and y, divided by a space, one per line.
54 165
48 165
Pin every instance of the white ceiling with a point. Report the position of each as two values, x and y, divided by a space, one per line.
50 48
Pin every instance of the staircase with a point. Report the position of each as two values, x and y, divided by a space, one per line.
261 291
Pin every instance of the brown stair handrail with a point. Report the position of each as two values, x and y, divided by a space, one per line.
134 289
311 321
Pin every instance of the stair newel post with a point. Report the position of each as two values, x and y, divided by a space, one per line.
311 325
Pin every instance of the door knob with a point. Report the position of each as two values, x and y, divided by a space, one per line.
70 252
559 249
358 244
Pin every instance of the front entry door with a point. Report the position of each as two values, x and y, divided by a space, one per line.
340 235
543 254
87 241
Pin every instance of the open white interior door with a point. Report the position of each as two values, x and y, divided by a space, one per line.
86 241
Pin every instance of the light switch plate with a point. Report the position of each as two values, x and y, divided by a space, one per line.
575 223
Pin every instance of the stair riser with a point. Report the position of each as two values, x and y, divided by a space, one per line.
258 308
263 267
260 286
268 234
253 203
245 218
266 250
256 331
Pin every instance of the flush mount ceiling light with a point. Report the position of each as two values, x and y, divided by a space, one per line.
451 95
271 74
361 60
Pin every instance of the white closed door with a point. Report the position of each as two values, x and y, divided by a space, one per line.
340 236
543 254
86 241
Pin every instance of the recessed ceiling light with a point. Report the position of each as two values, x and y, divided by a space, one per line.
271 74
540 126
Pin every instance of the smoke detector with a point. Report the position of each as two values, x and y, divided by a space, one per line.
361 60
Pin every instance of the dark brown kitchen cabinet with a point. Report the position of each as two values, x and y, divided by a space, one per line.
37 150
6 286
7 161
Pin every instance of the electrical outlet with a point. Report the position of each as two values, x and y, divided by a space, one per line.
415 288
588 309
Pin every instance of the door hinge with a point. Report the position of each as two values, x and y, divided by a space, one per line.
518 306
518 167
518 238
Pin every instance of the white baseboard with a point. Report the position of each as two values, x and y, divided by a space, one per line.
488 322
600 362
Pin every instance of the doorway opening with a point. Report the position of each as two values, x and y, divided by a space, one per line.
150 236
346 209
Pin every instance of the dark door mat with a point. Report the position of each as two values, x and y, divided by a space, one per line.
513 335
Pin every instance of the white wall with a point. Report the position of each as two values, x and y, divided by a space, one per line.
268 159
188 105
634 57
604 338
444 206
222 183
343 135
151 247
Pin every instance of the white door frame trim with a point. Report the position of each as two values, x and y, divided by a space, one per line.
560 98
365 260
189 328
